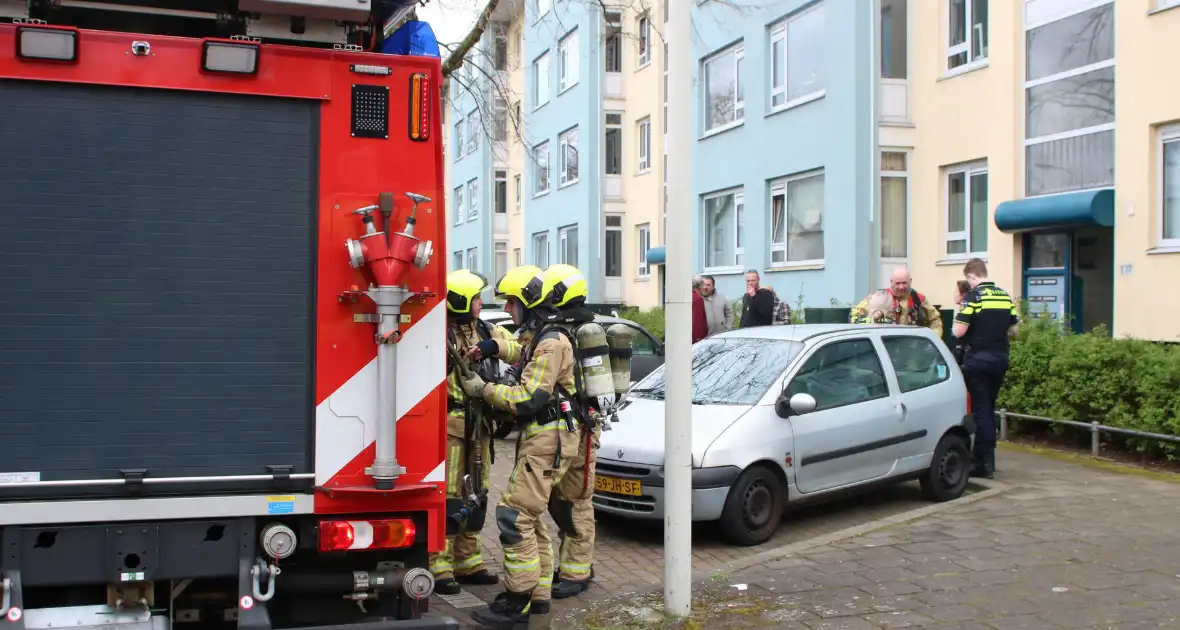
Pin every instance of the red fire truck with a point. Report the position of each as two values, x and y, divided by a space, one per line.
222 325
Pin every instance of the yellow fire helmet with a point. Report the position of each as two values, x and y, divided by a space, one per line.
524 283
463 286
563 284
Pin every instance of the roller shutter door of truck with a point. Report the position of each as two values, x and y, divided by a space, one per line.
156 285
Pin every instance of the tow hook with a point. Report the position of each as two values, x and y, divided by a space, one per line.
263 571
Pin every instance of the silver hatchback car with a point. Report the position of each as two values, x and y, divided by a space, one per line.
795 413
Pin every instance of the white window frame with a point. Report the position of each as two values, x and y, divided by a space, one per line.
1167 135
473 259
473 131
538 151
607 125
541 71
563 243
517 257
499 248
968 170
739 249
643 245
613 40
739 106
458 203
643 40
567 61
459 139
643 142
564 144
457 259
965 46
779 187
499 175
473 199
618 231
517 183
539 261
778 33
1160 5
903 174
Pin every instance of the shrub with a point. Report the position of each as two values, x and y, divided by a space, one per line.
1127 383
652 319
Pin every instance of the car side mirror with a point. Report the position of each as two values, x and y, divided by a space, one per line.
797 405
660 350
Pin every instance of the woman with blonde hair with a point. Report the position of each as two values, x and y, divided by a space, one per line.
879 309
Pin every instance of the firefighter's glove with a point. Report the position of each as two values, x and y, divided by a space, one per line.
483 350
473 385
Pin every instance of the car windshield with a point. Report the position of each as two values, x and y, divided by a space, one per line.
728 371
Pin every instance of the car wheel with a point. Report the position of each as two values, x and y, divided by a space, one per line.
949 471
753 508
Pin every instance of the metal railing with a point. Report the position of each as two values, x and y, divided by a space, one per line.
1096 429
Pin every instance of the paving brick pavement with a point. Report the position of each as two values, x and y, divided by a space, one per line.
1065 547
630 554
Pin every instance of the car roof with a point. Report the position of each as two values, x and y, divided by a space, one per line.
803 332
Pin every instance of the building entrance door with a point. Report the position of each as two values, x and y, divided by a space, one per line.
1046 275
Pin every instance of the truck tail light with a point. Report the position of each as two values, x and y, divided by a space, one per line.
361 535
419 107
47 43
230 57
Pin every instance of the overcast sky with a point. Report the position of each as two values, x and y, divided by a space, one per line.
450 19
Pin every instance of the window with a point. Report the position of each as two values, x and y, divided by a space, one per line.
966 211
473 199
917 362
500 115
797 58
517 185
568 159
501 200
501 261
841 373
460 126
1170 186
517 121
728 371
894 39
457 260
519 34
458 207
894 205
967 29
517 259
567 245
643 33
665 127
643 244
723 229
541 80
614 41
473 131
645 145
500 52
472 256
1070 103
541 250
725 105
614 144
797 220
541 160
567 55
641 344
543 7
613 244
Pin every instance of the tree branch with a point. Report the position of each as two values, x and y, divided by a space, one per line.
455 59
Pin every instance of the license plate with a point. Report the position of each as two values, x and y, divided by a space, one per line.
630 487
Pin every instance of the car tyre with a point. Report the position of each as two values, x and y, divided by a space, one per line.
754 507
950 470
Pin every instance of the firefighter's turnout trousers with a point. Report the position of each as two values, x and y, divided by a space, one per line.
573 496
463 554
528 549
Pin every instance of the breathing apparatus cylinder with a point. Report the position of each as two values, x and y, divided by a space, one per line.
620 336
596 375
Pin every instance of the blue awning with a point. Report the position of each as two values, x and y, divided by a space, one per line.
1094 208
656 255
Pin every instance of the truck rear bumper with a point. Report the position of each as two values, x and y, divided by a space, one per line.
428 622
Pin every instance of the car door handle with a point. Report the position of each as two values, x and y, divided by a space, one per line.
902 412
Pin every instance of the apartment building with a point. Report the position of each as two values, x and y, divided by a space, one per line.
786 125
553 134
1016 146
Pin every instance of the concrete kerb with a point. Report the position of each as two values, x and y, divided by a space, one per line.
992 488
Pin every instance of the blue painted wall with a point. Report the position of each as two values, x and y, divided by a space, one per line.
581 106
833 133
465 167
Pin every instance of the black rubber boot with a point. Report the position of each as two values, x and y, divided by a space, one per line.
570 588
557 575
479 578
508 611
446 586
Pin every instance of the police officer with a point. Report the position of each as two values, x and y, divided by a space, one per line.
547 441
570 506
468 432
984 323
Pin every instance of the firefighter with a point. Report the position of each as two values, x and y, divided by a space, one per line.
468 433
546 443
570 505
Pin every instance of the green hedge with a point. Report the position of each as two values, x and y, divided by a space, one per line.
1128 383
652 319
